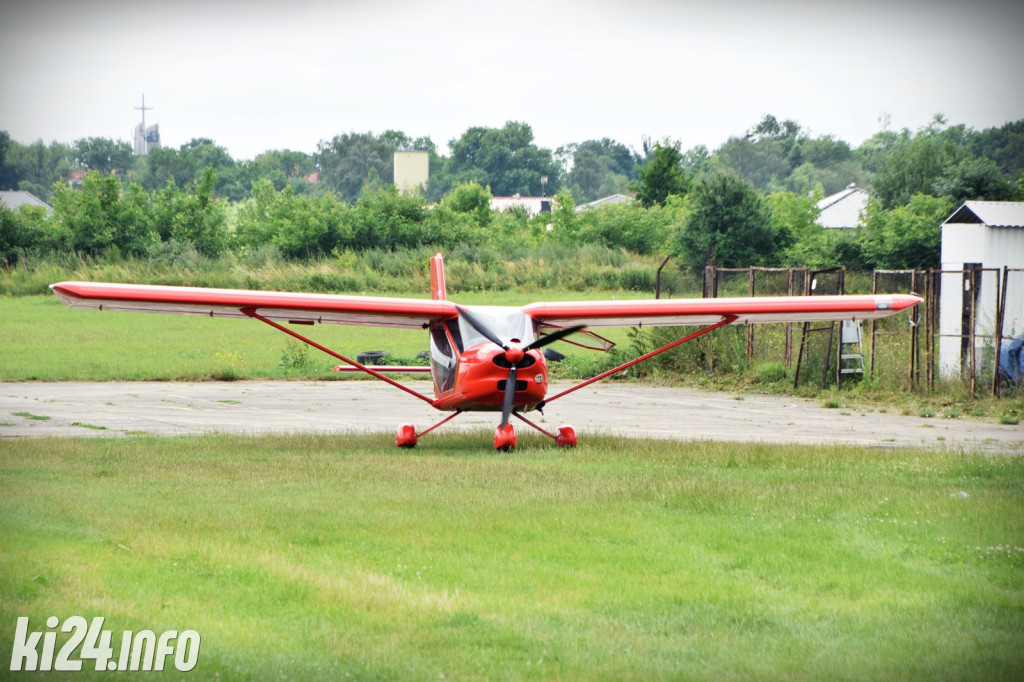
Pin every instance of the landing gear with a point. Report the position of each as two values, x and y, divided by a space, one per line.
566 436
406 436
505 438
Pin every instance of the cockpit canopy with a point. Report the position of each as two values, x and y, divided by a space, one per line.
506 323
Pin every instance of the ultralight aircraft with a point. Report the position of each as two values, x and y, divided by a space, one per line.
482 358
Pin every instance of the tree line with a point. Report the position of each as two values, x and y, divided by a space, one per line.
750 202
938 159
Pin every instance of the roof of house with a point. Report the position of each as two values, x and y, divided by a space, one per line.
13 200
605 201
990 213
842 210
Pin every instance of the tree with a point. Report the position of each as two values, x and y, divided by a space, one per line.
916 162
36 167
629 226
597 168
385 219
13 236
299 226
347 162
662 176
98 219
471 199
771 128
1004 145
104 155
186 165
973 179
907 236
191 217
282 167
762 162
727 224
504 159
8 173
766 154
588 174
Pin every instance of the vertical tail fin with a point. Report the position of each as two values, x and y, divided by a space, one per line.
437 288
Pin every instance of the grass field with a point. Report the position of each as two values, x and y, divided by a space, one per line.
328 557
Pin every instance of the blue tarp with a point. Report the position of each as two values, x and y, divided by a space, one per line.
1011 359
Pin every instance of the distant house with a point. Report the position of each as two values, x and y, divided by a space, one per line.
14 200
989 235
532 205
605 201
843 210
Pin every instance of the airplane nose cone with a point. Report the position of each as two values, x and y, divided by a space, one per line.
514 355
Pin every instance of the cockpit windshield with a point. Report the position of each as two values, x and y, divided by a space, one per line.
505 323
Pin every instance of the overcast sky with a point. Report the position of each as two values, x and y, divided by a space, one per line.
254 75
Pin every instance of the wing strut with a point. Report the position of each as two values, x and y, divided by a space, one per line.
728 319
256 316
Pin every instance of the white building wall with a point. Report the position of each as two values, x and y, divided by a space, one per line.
1006 247
411 170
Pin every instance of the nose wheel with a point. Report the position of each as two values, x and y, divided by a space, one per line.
505 438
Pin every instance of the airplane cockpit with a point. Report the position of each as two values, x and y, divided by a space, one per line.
506 323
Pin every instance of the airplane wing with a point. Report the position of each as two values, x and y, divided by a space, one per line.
705 311
280 306
417 313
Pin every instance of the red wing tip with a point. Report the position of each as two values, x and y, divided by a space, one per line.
902 301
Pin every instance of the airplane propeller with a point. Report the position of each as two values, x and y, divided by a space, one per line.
513 354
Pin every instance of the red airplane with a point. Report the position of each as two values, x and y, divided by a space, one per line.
482 358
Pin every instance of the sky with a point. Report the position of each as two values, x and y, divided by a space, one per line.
254 75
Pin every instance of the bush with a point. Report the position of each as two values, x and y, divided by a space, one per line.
771 372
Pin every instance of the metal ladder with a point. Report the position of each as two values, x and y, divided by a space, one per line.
851 354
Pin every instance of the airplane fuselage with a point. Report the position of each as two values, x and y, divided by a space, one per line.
470 372
480 376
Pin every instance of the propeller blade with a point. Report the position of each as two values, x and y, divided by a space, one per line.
554 336
510 394
478 324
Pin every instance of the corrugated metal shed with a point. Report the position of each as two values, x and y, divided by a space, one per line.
842 210
990 234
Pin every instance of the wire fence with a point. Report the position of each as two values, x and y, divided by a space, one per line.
969 319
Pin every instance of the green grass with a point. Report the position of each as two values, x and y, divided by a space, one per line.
319 557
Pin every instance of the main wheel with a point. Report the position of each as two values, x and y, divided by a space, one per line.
566 436
406 436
